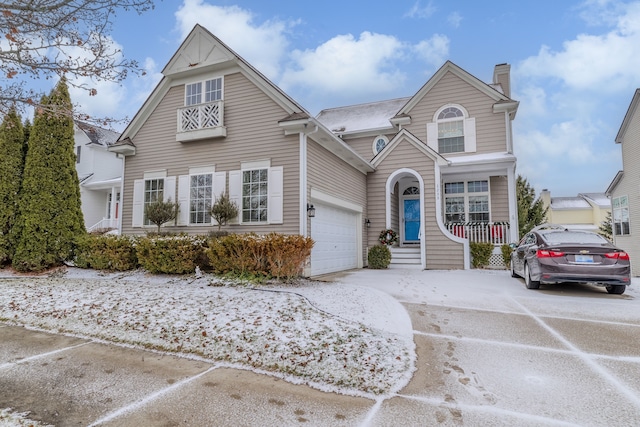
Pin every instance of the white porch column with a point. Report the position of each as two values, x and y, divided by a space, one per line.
514 232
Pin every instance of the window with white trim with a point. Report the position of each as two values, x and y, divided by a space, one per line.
153 191
194 93
621 216
255 195
379 142
257 190
200 198
450 131
467 201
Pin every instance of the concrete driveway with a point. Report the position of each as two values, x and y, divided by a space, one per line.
490 352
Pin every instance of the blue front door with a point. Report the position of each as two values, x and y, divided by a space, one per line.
411 219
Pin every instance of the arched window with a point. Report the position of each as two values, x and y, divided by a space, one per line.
411 190
451 131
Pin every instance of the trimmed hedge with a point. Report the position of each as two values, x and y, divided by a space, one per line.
480 253
172 255
106 252
506 254
379 257
273 255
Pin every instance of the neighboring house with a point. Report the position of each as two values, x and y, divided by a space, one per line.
437 167
586 211
100 175
624 190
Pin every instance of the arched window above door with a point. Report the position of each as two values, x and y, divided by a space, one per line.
411 190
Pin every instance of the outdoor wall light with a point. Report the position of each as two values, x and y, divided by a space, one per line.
367 222
311 211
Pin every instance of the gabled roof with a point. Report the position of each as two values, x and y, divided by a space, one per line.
200 52
450 67
97 135
627 117
405 135
614 183
361 117
598 199
569 203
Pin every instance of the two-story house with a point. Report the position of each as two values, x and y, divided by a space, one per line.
100 175
586 211
437 167
624 190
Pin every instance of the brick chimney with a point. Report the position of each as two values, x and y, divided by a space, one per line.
502 76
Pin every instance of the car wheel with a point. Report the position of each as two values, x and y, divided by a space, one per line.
530 284
616 289
513 271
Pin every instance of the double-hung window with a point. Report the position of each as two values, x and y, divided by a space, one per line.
257 189
451 130
467 201
255 195
200 198
153 191
621 216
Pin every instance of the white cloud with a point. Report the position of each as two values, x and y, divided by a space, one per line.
345 63
435 50
418 11
454 19
263 45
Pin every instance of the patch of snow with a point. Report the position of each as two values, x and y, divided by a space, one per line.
321 334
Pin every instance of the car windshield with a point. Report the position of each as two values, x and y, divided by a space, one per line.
562 237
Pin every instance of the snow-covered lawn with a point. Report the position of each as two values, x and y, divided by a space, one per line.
308 332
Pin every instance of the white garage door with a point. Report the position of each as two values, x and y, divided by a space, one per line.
334 232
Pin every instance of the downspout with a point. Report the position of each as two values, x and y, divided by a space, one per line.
122 157
513 204
304 229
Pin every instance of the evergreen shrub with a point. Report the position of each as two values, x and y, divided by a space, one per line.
506 254
379 257
106 252
480 253
250 255
172 255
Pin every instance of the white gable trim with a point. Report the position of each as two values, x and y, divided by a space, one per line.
408 136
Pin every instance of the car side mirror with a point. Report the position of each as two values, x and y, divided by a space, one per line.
512 245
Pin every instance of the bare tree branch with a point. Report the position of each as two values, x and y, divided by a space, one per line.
45 39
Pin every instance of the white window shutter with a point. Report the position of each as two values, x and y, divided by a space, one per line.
432 136
184 190
275 203
169 192
470 135
235 193
138 203
219 184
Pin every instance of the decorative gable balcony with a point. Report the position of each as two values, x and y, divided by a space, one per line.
201 121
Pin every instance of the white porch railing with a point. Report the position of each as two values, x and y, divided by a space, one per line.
481 232
201 116
106 223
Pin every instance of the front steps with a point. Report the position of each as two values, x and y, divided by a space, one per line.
405 255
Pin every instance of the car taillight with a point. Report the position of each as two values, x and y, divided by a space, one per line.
548 254
618 255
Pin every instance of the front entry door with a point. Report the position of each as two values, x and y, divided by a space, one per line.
411 220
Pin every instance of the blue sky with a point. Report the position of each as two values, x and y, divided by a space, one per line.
574 64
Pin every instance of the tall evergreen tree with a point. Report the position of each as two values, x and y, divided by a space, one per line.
531 211
606 227
12 147
50 220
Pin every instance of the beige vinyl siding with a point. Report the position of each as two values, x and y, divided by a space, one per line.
332 175
490 127
630 186
364 145
441 252
253 133
499 189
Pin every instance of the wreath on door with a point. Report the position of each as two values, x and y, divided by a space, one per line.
388 237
